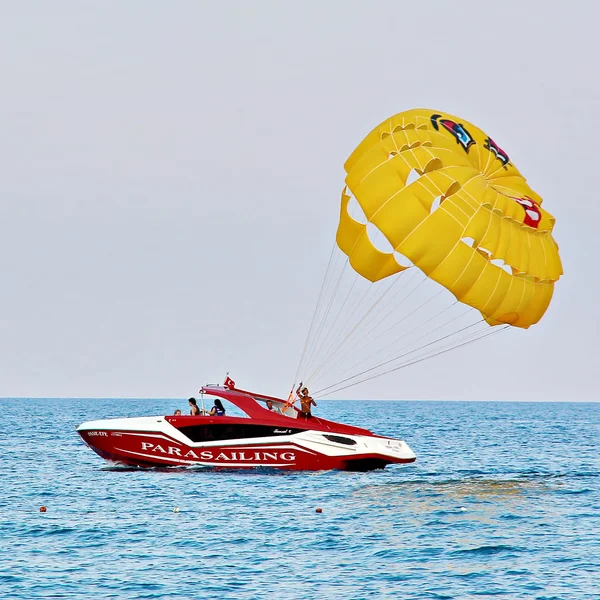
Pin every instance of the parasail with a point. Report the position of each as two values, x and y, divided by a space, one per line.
433 193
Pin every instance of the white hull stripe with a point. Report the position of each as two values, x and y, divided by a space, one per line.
155 435
237 444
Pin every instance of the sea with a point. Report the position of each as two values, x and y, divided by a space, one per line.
503 501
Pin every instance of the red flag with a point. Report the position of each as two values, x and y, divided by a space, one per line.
229 383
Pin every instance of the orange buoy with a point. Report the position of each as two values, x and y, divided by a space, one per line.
42 509
319 510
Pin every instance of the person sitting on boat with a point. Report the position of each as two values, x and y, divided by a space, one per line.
177 413
194 410
305 401
217 409
273 408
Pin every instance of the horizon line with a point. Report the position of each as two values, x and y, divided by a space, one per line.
321 399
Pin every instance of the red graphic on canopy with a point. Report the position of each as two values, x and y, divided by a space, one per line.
533 214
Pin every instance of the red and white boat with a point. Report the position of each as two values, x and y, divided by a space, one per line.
259 438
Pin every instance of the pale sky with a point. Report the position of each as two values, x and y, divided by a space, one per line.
171 174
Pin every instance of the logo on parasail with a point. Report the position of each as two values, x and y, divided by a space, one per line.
533 214
462 136
491 145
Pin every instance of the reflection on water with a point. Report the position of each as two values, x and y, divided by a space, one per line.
432 504
477 489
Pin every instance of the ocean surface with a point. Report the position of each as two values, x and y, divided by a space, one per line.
503 500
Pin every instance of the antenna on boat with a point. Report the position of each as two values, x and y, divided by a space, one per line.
202 400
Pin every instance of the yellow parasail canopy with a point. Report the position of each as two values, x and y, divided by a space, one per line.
469 220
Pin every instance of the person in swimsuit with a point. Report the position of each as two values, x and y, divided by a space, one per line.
217 409
305 401
273 408
194 410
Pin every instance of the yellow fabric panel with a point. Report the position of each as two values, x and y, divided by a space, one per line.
416 158
505 238
404 161
400 139
378 177
506 311
440 182
537 266
496 294
513 186
398 217
464 209
491 236
489 197
377 189
508 208
456 212
400 206
404 139
522 264
513 253
371 263
484 228
474 186
553 262
369 161
526 297
353 240
538 302
459 270
402 212
348 230
418 247
397 122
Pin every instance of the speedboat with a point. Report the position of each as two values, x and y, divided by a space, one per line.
252 437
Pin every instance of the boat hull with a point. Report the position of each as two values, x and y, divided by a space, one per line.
154 442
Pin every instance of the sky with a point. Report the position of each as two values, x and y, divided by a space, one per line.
171 175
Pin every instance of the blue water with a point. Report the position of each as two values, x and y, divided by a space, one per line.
504 500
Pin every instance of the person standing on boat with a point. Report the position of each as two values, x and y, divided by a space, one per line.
194 410
305 401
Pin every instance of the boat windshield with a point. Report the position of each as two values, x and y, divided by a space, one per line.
206 402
